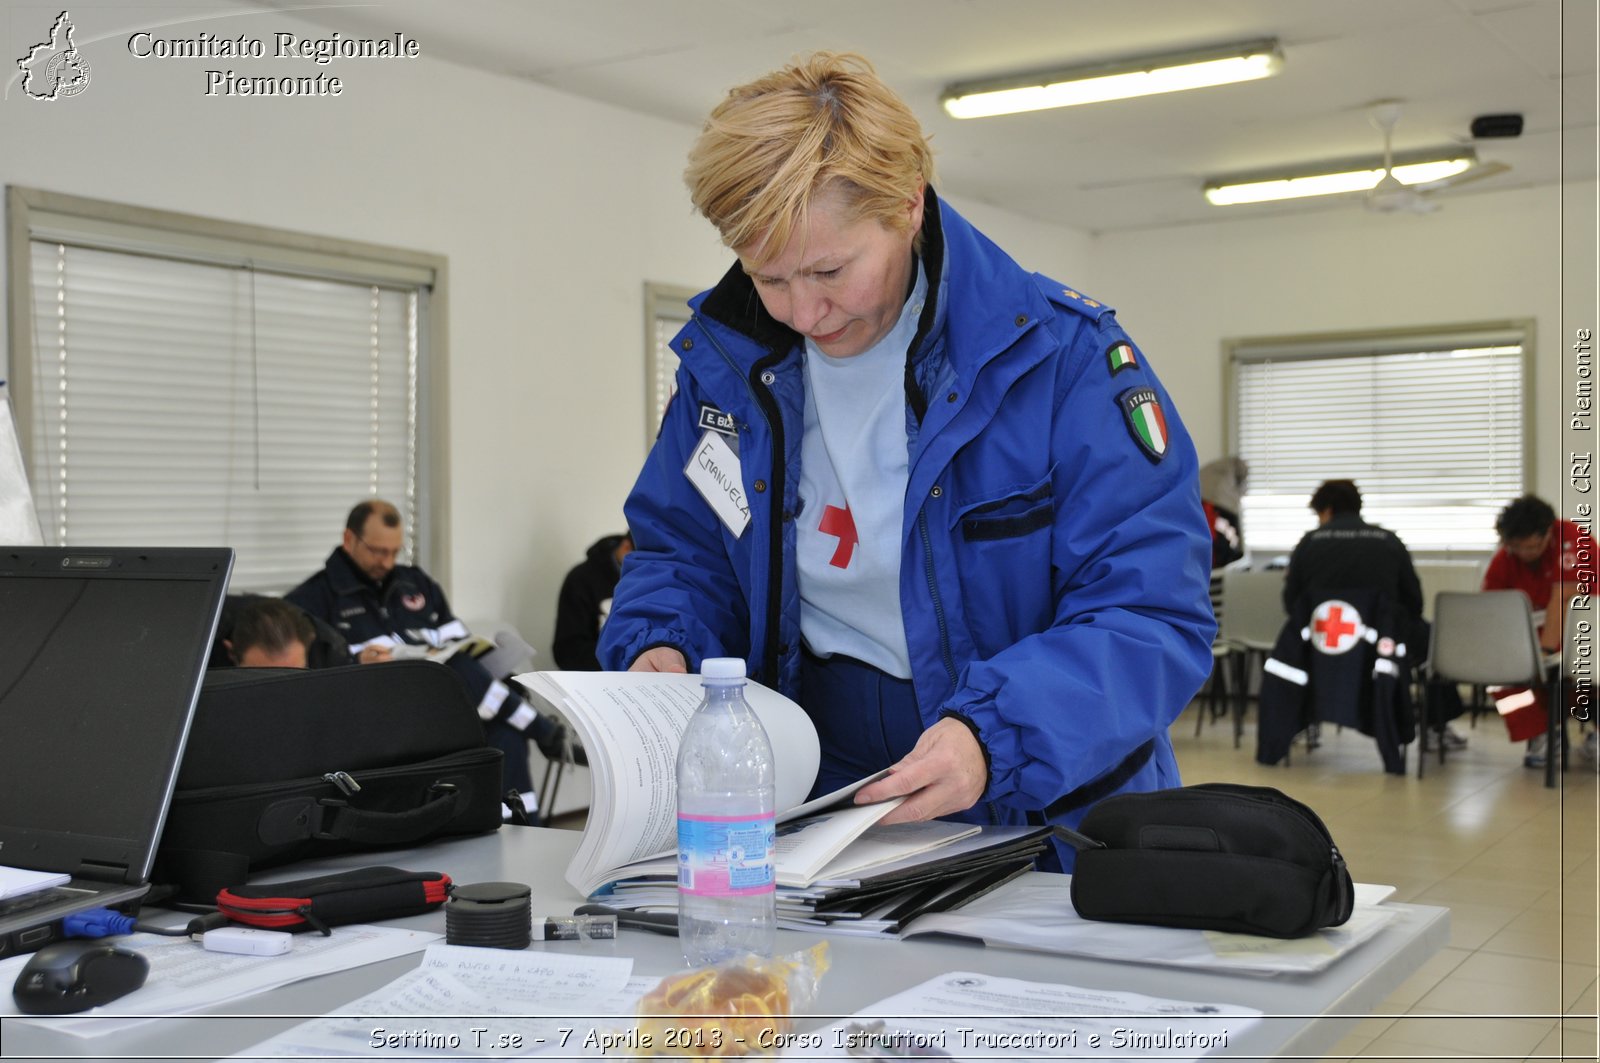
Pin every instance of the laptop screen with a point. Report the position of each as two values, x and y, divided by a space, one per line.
101 656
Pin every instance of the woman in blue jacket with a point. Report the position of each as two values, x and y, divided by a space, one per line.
940 501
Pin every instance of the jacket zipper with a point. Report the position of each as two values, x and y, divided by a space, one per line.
767 402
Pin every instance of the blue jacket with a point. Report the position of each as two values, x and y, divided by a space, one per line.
1053 575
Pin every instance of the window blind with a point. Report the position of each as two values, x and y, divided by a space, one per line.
179 402
1432 433
666 311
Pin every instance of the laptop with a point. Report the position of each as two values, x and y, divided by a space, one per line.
101 655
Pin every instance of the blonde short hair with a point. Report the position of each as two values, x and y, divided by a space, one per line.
825 121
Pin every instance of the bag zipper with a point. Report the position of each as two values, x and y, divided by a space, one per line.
1306 816
450 760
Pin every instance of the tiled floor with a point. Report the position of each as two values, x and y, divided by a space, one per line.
1514 862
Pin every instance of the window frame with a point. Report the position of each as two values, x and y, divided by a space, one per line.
661 301
38 214
1378 342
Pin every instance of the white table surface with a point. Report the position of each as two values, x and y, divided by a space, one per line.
1305 1014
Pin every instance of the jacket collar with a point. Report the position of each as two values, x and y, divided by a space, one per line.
346 578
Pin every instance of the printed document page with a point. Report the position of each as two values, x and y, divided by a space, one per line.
979 1016
479 1003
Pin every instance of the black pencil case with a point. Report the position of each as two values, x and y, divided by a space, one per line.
1245 859
361 896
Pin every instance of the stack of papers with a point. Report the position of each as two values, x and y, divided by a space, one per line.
884 878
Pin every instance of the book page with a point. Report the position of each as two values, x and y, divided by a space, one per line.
881 845
803 847
630 724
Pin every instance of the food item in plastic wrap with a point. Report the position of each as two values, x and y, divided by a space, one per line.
734 1008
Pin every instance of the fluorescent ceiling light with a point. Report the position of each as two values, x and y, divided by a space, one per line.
1334 180
1114 81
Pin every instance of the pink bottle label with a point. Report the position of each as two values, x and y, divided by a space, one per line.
725 856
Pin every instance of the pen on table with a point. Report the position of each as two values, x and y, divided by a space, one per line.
655 922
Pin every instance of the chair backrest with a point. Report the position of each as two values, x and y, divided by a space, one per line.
1484 637
1252 607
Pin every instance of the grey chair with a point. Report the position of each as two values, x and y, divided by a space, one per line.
1484 638
1252 616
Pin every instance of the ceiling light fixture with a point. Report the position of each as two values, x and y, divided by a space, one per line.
1173 72
1336 178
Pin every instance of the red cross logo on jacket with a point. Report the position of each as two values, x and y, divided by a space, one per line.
1336 626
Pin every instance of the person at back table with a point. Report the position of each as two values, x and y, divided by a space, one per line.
377 604
1344 552
1547 560
585 601
270 633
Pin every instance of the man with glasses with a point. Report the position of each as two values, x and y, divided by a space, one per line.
379 604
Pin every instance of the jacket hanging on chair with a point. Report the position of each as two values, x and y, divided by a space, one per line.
1340 658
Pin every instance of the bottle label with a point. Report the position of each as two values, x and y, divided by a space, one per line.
725 856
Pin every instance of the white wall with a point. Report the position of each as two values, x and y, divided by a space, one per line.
552 211
1491 256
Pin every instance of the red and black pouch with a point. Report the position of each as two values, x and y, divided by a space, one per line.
364 895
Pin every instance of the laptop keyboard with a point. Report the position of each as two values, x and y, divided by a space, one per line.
39 897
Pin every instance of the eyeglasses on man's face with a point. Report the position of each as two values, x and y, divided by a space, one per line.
382 553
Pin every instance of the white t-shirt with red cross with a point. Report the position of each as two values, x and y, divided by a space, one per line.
853 470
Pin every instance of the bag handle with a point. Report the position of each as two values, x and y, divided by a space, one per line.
341 821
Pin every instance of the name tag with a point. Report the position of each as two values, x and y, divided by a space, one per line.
716 421
714 470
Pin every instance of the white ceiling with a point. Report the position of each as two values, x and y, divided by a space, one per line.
1117 165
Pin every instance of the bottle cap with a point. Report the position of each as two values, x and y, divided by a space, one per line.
722 668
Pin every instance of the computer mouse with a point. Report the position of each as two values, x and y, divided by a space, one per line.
71 976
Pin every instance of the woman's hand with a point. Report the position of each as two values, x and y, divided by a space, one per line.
944 773
659 659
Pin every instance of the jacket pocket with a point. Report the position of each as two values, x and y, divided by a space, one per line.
1010 516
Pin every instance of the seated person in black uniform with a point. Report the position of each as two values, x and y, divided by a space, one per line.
1344 552
256 631
378 604
585 600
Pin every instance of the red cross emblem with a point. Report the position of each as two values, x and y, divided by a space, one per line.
836 521
1335 626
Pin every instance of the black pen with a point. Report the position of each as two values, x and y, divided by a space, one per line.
655 922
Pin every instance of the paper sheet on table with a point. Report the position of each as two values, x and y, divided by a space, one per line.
980 1016
478 1002
1035 912
185 977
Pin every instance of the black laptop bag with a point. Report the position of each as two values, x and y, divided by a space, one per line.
288 764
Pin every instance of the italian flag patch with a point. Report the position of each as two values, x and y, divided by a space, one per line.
1120 356
1146 420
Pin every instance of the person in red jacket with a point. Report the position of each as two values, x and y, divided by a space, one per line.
1548 560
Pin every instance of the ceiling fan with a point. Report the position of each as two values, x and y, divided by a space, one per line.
1390 195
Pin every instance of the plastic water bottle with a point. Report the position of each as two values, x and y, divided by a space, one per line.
726 898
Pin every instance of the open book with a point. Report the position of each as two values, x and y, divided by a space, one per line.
472 646
630 724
